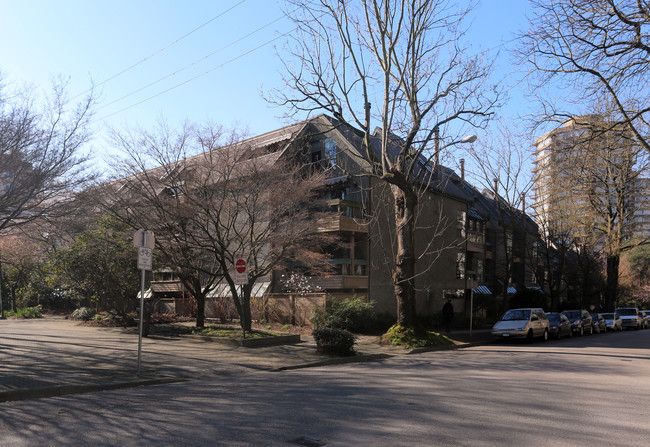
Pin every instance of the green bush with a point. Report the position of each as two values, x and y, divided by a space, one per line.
26 312
406 337
334 341
162 318
83 313
350 315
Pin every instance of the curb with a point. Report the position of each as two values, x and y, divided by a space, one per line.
336 361
63 390
247 342
460 345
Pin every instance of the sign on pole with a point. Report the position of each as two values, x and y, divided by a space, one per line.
144 238
241 272
145 256
144 241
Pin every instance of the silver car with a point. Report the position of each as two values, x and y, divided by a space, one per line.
613 322
525 323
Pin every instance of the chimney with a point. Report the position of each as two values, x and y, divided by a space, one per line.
496 187
523 203
462 169
436 146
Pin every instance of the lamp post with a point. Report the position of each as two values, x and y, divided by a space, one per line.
2 307
436 144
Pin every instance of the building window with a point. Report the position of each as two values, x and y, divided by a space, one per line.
460 265
331 151
461 218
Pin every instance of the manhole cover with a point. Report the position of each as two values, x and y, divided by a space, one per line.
307 442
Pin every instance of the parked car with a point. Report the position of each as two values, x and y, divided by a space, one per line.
613 321
645 322
525 323
598 323
647 312
630 317
559 325
580 321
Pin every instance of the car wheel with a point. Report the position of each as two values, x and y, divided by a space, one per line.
591 330
546 335
582 331
529 336
570 333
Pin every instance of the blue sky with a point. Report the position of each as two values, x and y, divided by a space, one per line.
216 73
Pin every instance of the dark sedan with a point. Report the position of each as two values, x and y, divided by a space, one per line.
559 325
580 321
598 322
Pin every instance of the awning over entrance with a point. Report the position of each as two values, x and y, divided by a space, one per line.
483 290
223 290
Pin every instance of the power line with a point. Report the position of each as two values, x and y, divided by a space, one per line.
162 49
191 64
197 76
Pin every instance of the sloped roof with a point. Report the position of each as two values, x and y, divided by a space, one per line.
434 177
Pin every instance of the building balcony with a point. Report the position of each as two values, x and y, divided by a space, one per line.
342 223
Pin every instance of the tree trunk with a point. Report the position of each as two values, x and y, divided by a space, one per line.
612 281
404 274
200 310
246 322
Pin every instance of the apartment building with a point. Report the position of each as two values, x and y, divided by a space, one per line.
588 179
459 234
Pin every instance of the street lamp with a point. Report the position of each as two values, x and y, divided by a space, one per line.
436 144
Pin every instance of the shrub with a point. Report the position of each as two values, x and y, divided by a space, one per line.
83 313
166 318
350 315
26 312
406 337
334 341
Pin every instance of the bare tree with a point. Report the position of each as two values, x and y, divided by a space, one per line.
41 164
407 59
211 199
591 46
502 168
608 164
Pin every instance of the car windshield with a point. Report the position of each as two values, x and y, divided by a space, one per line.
553 318
572 314
608 316
516 314
626 312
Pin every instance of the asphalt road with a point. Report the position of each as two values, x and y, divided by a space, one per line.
583 391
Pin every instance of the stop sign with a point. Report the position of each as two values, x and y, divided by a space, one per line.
240 265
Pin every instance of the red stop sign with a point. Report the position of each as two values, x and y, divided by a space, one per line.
240 265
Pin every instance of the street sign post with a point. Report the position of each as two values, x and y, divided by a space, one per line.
241 272
145 258
144 238
144 241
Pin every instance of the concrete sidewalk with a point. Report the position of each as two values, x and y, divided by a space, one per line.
52 357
